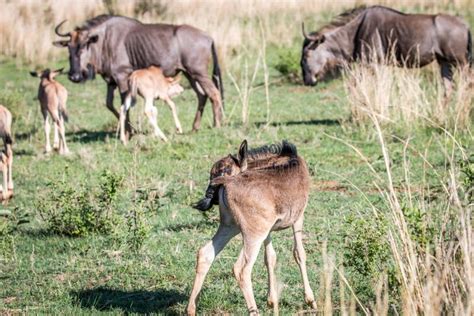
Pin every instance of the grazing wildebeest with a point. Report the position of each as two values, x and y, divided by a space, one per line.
367 32
151 84
115 46
259 191
53 97
6 156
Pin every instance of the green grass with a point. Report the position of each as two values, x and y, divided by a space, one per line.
44 273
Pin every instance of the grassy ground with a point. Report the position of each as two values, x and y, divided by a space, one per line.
44 273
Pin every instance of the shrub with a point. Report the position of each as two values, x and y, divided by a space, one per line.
288 64
78 210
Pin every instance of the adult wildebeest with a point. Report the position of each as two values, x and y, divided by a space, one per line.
259 191
115 46
415 40
53 97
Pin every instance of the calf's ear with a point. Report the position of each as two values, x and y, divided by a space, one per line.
34 74
58 71
60 43
243 155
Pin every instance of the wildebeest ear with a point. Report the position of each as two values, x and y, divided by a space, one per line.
60 43
243 155
34 74
321 39
58 71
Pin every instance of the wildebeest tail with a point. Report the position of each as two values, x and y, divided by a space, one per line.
216 74
8 139
469 48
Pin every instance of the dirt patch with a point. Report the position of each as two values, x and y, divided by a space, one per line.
329 186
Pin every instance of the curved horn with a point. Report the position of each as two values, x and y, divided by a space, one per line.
306 36
56 30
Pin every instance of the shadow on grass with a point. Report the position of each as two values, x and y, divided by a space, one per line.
326 122
86 136
190 226
141 301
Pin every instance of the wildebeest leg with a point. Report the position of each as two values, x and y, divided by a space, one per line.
243 269
447 76
128 125
63 149
4 190
211 91
205 257
110 99
124 108
175 115
270 262
152 113
47 129
202 98
300 257
10 166
56 145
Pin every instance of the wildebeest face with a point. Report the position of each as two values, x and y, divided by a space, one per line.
80 46
225 167
315 60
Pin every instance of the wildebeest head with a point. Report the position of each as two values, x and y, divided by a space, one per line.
80 44
225 167
174 88
47 73
316 58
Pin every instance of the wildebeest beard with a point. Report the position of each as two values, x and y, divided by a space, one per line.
90 72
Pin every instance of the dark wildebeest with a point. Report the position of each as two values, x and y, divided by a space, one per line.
115 46
259 191
364 33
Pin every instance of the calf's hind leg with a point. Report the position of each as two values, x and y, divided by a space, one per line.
47 130
243 269
300 257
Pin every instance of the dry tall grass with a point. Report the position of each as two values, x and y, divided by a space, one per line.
26 26
403 96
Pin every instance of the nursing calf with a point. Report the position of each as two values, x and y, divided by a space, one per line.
150 84
52 97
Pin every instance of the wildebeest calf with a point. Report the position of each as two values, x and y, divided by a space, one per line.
6 156
52 97
260 191
151 84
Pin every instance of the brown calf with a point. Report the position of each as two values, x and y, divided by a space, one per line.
260 191
6 156
151 84
52 97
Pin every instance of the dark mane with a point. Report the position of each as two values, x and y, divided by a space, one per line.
266 151
343 18
89 24
349 15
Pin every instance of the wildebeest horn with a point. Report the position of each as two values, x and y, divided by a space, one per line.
56 30
308 37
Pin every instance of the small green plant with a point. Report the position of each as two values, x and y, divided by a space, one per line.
366 253
288 64
137 220
78 210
